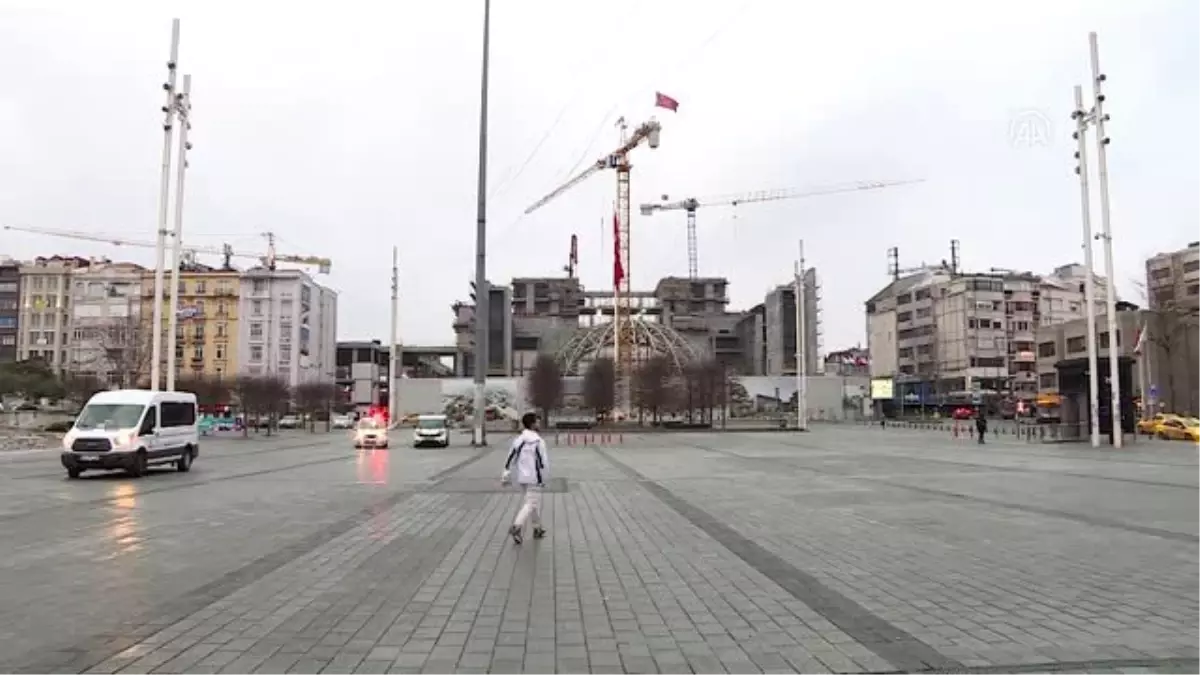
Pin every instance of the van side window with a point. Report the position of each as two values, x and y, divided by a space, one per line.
178 414
150 421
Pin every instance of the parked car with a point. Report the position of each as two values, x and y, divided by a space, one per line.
963 413
289 422
342 422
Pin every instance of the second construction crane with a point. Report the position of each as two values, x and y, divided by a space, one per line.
691 204
269 260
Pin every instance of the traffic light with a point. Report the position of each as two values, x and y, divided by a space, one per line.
473 289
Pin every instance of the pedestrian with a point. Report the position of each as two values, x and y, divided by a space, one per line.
980 426
528 466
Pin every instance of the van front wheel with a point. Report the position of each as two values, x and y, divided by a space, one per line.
138 468
185 460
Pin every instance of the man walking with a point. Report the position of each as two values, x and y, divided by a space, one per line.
528 466
981 426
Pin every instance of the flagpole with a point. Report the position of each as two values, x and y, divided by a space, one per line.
482 293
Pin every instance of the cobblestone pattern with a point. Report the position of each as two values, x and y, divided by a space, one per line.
983 585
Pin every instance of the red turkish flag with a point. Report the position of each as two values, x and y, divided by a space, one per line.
618 268
661 100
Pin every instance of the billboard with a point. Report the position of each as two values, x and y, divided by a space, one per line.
882 389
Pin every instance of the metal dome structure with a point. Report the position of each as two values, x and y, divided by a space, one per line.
649 339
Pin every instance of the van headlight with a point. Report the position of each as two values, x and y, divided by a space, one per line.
123 439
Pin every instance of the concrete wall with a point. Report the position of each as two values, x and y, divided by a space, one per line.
826 394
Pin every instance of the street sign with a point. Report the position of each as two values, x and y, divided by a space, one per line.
1153 391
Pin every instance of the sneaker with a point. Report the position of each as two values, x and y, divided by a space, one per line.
515 533
539 532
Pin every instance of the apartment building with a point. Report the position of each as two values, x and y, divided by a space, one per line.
107 339
206 334
940 333
44 315
780 321
362 373
1172 333
287 326
501 354
10 304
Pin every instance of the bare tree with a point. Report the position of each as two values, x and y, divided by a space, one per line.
116 351
79 388
545 385
209 391
600 386
262 397
652 386
313 398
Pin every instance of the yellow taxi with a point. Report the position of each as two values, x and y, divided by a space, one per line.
1180 429
1151 426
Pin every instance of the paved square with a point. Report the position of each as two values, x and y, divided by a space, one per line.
845 549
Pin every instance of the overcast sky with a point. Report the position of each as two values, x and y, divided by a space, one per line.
348 130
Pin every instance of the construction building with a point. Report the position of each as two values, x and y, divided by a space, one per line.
362 373
10 308
206 334
287 326
780 328
945 336
544 314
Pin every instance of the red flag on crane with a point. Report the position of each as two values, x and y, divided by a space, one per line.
661 100
618 268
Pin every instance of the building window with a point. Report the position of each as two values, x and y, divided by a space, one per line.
201 288
1193 289
903 316
220 352
256 331
904 299
1076 345
285 355
260 285
198 353
285 332
1048 380
256 307
1046 349
220 330
256 353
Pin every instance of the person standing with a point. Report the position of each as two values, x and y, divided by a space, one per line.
980 426
528 466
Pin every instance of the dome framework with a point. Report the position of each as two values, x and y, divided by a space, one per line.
649 340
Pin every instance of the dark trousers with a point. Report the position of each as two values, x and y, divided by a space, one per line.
982 434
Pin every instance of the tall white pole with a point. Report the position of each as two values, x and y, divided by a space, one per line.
393 367
1089 286
482 294
1110 292
160 248
801 346
183 109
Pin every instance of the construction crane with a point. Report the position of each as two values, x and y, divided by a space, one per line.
618 159
190 252
572 258
691 204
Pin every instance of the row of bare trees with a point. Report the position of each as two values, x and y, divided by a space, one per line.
657 387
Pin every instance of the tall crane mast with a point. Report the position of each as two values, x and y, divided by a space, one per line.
269 260
691 204
618 159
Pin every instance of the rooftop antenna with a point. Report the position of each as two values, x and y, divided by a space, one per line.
893 254
954 247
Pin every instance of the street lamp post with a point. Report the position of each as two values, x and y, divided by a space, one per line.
160 246
482 294
1099 117
1089 288
183 109
801 346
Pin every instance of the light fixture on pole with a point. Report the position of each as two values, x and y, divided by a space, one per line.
801 345
183 108
160 247
393 366
482 293
1099 117
1089 287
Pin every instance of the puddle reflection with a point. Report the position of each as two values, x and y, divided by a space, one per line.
123 531
373 467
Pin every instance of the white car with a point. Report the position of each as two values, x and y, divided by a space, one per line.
342 422
431 430
371 433
289 422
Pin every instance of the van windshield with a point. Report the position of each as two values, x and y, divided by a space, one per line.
110 416
431 424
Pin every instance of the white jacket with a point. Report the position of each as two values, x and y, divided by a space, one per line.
527 463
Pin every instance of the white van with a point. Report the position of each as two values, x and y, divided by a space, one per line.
133 429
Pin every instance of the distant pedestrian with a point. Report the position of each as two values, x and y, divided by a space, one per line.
980 426
528 466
